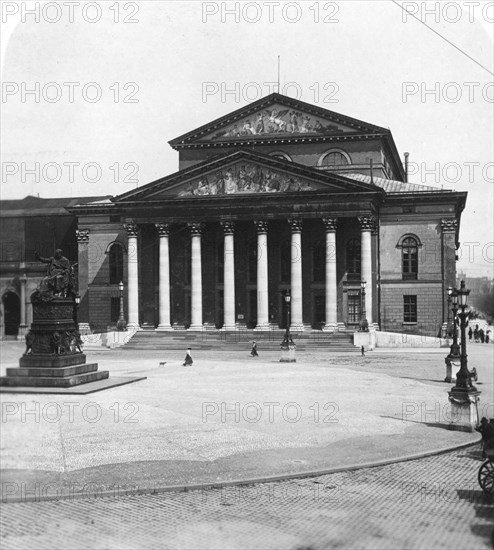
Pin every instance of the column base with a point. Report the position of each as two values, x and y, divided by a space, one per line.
21 335
164 328
229 327
299 327
330 327
196 328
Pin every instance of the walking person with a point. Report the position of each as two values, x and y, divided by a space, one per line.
188 358
253 351
481 335
470 334
362 351
476 334
487 336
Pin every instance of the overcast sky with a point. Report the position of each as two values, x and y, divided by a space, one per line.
140 72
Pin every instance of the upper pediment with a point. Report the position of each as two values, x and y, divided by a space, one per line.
243 173
275 117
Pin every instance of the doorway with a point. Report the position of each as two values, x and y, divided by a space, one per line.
12 312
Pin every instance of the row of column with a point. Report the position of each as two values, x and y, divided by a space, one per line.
367 226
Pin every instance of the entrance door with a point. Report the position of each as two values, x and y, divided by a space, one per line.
354 308
12 312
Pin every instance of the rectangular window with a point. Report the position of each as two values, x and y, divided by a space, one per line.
115 309
409 309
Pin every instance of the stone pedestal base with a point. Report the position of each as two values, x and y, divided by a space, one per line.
288 355
366 339
464 409
452 367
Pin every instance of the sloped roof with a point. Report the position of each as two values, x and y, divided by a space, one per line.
395 186
37 206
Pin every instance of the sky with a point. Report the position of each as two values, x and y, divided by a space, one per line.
93 91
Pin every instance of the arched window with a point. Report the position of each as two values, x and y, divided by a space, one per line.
116 263
409 258
319 261
334 159
353 259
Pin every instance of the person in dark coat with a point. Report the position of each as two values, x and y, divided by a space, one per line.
487 336
481 335
486 428
188 358
476 333
253 351
470 334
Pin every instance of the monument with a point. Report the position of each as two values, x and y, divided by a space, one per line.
53 357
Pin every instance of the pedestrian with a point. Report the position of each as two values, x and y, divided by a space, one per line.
470 334
188 358
481 335
487 336
253 351
476 333
362 351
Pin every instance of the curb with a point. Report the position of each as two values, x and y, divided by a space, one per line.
120 492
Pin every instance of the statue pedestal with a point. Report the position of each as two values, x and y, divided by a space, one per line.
53 357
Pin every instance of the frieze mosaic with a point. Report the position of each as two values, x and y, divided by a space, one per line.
245 178
277 120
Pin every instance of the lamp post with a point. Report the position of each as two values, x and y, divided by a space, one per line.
121 323
449 291
287 345
454 351
464 396
364 325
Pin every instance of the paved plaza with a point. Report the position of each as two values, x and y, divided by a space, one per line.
232 418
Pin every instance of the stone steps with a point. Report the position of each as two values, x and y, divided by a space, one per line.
53 372
53 381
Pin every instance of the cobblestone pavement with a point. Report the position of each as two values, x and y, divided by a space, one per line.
429 503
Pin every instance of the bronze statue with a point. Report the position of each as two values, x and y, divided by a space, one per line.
59 280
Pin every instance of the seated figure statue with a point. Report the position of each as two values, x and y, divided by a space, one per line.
59 275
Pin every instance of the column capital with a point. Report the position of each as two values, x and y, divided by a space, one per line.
132 229
261 226
196 228
163 229
449 225
228 227
82 235
330 223
295 224
367 223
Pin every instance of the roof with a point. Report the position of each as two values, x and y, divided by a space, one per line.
395 186
36 206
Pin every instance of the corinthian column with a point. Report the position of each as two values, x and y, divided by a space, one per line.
262 274
367 225
229 276
297 322
331 283
164 277
196 278
132 275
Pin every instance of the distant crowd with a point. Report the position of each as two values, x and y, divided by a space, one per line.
479 335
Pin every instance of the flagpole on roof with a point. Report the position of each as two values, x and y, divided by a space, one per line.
278 74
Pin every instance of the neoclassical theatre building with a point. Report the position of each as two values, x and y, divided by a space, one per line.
277 195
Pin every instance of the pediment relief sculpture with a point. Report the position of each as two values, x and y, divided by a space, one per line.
277 120
245 177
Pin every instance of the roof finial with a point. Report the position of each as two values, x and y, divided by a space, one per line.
278 74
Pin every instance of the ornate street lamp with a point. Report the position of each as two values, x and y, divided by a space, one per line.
464 396
287 345
121 323
364 325
454 351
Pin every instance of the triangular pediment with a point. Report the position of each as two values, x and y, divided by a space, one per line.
243 173
276 117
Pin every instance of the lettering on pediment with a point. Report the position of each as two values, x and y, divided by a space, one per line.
277 120
245 177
